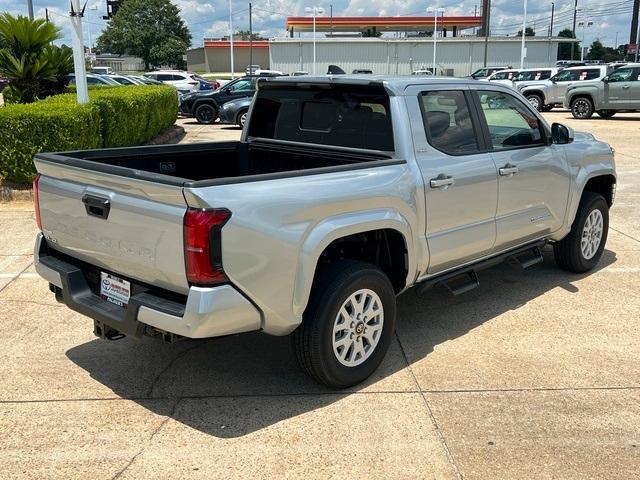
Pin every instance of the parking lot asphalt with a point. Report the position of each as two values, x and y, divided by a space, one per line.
532 375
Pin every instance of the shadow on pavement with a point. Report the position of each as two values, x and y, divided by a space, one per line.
232 386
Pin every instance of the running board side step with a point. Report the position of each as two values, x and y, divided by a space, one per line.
466 279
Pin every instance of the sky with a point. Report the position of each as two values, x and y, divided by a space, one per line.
210 19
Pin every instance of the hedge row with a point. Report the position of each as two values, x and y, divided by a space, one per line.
115 117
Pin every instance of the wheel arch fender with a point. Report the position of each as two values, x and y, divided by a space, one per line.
585 175
340 226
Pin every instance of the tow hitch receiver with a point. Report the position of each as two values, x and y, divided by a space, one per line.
106 332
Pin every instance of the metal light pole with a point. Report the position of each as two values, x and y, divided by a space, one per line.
30 7
233 70
94 7
76 14
523 48
315 11
435 34
575 15
584 26
638 33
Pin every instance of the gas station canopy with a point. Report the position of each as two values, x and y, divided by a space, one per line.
372 25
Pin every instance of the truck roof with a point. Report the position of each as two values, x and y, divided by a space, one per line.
395 84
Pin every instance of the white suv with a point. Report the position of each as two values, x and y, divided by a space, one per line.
185 82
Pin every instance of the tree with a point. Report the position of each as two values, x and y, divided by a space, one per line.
528 32
596 51
565 51
169 54
244 35
142 26
35 68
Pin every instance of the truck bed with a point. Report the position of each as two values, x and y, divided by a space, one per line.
204 164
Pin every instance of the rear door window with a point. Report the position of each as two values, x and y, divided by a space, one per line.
339 115
447 122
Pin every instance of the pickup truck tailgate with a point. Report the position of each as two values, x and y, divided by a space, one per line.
126 226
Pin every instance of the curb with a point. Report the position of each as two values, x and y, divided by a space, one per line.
173 134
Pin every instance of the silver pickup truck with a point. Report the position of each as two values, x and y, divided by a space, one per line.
342 193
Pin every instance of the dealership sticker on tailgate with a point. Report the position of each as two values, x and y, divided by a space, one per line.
114 289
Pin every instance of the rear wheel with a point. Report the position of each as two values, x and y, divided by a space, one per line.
581 250
606 113
536 101
241 118
206 114
348 324
582 108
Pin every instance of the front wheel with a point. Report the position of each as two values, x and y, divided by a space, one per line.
536 101
582 108
242 118
348 325
206 114
606 113
581 250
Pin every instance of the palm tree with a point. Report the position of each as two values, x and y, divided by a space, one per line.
34 66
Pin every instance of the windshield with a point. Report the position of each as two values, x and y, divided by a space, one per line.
482 72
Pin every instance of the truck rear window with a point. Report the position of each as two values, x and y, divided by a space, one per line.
340 115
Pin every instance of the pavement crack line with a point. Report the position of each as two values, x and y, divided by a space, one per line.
625 234
17 276
180 355
443 441
149 440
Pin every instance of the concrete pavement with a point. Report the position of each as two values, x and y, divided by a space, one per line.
532 375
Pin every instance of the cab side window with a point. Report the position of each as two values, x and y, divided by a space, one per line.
447 122
510 122
623 75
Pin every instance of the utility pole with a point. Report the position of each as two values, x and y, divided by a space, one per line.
46 15
233 75
486 23
250 42
573 46
637 14
475 14
30 5
331 20
523 48
633 37
553 9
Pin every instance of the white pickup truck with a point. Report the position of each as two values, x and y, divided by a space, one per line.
342 193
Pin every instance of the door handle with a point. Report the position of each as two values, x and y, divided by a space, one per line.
441 181
508 170
626 87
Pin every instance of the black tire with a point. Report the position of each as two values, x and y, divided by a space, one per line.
606 113
206 113
568 252
536 101
239 118
313 340
582 108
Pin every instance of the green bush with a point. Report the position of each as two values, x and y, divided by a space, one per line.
134 115
114 117
41 127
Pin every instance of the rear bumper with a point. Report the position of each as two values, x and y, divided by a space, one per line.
207 312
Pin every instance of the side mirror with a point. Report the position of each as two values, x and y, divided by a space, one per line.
561 134
606 79
226 90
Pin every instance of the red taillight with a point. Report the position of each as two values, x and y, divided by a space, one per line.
203 246
36 200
